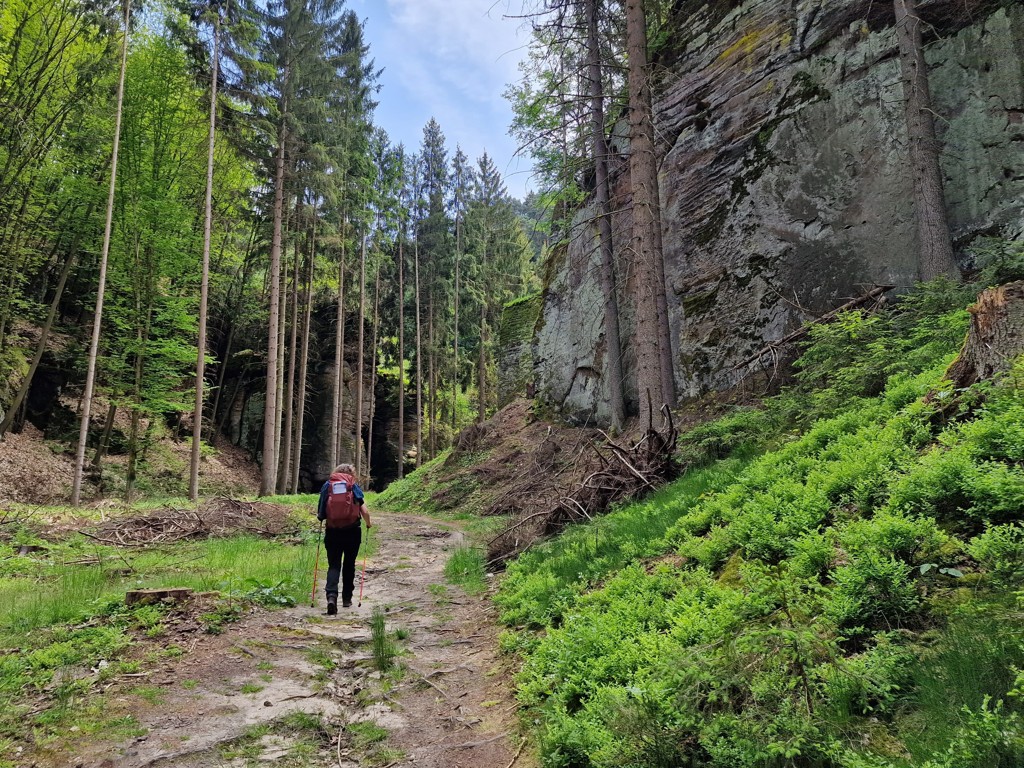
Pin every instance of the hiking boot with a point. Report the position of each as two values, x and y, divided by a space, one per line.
346 603
332 607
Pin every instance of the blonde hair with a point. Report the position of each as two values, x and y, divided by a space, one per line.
345 469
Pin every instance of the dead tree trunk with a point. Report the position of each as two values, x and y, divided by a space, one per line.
935 246
996 337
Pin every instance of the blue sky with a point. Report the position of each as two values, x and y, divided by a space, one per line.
451 60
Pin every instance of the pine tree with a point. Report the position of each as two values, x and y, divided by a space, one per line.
935 244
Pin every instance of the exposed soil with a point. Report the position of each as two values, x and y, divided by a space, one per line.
450 707
37 471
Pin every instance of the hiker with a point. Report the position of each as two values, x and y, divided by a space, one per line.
341 505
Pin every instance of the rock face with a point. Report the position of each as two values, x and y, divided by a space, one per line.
785 180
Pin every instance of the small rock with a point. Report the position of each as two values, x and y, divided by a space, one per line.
268 703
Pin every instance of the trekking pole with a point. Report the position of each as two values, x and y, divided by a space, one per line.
362 581
316 566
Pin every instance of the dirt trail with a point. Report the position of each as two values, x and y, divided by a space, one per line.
450 708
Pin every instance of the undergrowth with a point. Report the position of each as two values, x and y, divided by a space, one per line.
846 599
65 631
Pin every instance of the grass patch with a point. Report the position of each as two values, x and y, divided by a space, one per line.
384 650
465 568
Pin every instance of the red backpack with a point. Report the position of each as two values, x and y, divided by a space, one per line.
342 510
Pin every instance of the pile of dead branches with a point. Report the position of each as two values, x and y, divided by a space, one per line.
220 517
613 473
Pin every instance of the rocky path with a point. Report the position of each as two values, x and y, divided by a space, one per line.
296 688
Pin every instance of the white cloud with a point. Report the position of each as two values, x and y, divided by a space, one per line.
448 59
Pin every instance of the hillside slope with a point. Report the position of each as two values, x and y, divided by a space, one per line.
834 585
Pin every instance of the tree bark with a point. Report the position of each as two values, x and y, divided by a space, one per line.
401 358
432 368
285 480
282 355
481 367
373 374
339 362
90 377
599 149
268 480
419 360
455 353
643 175
996 337
300 410
204 285
935 245
360 363
108 430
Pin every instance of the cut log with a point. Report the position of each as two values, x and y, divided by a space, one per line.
146 596
996 336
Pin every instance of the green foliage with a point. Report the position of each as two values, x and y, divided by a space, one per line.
841 601
465 567
1000 550
383 646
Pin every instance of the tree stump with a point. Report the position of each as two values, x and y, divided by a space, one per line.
146 596
996 337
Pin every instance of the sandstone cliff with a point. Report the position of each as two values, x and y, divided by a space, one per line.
784 178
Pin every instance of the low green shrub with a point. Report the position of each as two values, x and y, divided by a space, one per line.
1000 550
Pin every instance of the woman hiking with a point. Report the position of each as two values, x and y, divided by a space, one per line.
341 507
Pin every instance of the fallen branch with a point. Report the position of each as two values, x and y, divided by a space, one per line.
804 329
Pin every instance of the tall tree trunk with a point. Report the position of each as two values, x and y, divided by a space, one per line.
339 362
481 372
300 409
108 430
599 150
643 175
373 374
432 368
204 286
419 360
455 352
142 335
268 480
281 357
289 395
359 364
935 244
481 368
90 376
401 359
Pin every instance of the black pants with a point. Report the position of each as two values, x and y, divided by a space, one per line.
342 545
